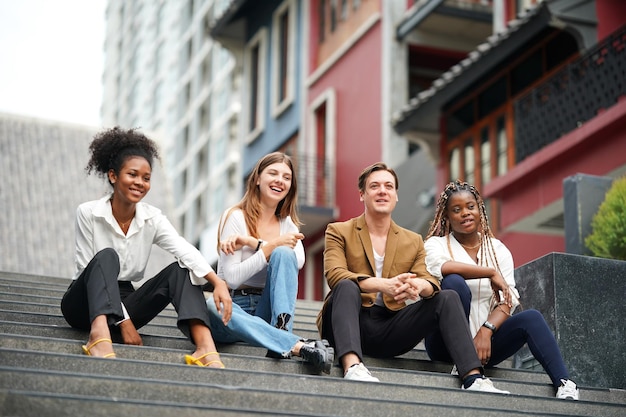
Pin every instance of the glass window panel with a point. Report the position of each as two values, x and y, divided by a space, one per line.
455 164
469 161
254 86
485 156
502 144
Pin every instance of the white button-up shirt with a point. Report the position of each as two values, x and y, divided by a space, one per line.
97 229
437 254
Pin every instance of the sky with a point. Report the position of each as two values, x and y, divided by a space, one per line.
51 59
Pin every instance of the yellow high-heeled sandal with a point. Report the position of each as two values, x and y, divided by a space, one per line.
190 360
87 349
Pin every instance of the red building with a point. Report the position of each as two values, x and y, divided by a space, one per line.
537 102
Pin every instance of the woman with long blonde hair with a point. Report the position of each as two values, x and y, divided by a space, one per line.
261 252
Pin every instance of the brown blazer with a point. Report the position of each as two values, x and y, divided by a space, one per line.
348 254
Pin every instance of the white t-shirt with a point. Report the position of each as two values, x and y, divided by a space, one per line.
247 267
437 254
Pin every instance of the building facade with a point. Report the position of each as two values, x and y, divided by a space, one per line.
324 90
165 75
538 101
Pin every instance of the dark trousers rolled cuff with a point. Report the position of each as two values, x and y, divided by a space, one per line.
94 293
171 285
341 321
97 291
378 332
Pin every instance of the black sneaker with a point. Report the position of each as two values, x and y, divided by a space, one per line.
274 355
318 353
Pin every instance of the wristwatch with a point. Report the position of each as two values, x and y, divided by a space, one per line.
490 326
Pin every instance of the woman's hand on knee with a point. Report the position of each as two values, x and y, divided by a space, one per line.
130 336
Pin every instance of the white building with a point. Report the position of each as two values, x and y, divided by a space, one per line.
165 75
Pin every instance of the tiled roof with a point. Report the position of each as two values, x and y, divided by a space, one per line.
458 74
43 182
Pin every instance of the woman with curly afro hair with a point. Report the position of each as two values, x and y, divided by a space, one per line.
114 236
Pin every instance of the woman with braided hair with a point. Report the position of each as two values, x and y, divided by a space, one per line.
463 253
114 236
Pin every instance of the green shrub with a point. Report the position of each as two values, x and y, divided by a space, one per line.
608 236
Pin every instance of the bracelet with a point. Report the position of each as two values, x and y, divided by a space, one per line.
490 326
259 245
502 310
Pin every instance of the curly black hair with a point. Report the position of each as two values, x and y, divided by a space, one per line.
110 148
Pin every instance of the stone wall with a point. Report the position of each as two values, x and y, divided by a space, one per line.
582 299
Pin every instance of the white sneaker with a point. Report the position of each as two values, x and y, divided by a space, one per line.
360 373
567 391
484 385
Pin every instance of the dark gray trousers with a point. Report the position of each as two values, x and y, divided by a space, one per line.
379 332
97 291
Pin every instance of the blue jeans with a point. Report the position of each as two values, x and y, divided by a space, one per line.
244 327
255 317
528 326
281 290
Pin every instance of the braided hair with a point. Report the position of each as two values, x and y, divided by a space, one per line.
110 148
441 223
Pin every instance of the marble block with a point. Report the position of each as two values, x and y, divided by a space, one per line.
582 196
583 299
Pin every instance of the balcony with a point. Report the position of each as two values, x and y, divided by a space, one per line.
448 17
572 96
316 193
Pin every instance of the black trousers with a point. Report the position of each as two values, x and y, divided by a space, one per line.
379 332
97 291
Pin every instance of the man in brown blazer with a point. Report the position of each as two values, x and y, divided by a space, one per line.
382 300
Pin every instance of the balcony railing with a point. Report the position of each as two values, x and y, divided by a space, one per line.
572 96
315 181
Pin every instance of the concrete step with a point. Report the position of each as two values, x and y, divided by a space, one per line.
44 373
306 312
241 356
36 404
51 315
171 342
282 392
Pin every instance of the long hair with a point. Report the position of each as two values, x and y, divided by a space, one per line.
250 204
441 223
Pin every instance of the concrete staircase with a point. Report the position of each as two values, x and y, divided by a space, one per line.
43 373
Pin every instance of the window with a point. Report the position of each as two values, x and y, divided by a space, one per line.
485 156
220 145
455 163
317 170
254 65
203 163
322 20
486 113
502 146
344 9
283 63
469 161
218 198
333 15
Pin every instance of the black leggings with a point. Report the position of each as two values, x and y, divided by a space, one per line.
527 326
